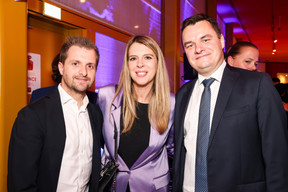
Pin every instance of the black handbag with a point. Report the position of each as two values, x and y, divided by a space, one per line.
108 172
107 175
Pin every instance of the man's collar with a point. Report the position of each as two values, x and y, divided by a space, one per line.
217 75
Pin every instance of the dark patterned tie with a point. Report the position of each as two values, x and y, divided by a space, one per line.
201 184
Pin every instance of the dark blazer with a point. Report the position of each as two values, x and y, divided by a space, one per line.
41 92
248 147
37 144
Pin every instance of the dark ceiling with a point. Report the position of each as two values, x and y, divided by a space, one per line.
254 20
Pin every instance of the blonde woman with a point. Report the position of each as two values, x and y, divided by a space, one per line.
141 108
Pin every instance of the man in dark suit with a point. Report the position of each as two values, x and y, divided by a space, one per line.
55 141
242 145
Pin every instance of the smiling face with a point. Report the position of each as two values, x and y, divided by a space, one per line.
203 47
142 64
78 70
246 59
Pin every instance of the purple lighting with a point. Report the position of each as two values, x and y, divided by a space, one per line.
106 13
224 9
230 20
227 13
151 6
111 59
238 30
124 15
154 19
188 10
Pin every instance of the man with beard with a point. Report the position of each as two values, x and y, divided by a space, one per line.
55 141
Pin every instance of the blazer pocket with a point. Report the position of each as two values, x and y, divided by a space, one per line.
238 111
161 181
255 187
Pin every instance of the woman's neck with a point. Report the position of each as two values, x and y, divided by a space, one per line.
143 94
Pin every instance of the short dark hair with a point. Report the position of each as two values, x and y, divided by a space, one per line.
56 76
201 17
235 49
78 41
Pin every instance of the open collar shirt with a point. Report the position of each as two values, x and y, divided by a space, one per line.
191 124
76 163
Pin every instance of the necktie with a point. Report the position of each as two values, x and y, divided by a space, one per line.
201 184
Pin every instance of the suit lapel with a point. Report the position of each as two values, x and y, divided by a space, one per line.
95 126
183 97
93 121
184 102
95 117
227 83
115 117
56 133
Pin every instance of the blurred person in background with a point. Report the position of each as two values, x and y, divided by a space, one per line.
275 81
243 54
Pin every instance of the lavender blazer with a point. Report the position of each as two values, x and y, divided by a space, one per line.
150 172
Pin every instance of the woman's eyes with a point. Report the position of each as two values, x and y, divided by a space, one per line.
148 57
132 59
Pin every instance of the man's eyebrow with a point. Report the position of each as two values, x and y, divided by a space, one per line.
205 36
188 42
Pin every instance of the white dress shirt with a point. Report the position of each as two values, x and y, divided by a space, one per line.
191 124
76 163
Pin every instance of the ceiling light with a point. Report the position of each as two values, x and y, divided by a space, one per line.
52 11
136 26
274 40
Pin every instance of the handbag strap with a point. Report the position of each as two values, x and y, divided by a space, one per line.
115 150
115 139
115 135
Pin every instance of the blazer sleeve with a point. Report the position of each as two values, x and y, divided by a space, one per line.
103 95
24 151
170 140
273 129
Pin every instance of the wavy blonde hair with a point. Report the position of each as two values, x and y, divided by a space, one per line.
159 105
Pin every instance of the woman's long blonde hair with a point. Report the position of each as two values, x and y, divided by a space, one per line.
159 105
